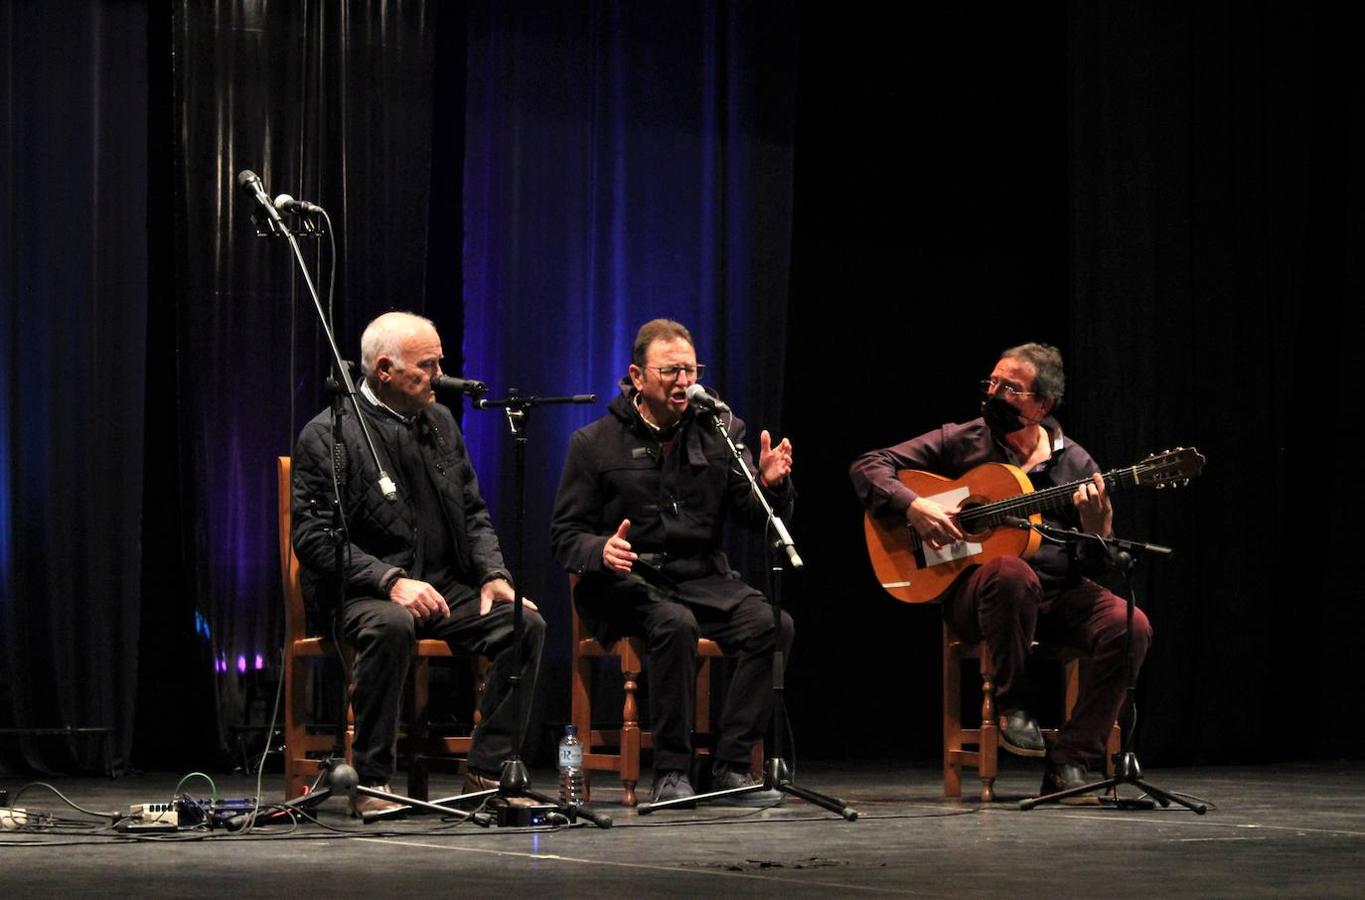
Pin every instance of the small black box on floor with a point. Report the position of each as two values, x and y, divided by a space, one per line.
533 816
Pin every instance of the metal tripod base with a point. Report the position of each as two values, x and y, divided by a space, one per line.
1128 771
775 777
514 781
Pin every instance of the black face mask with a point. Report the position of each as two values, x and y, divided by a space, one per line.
1001 417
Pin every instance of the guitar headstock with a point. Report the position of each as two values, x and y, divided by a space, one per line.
1170 468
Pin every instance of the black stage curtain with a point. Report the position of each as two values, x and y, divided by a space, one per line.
73 299
1215 231
1171 194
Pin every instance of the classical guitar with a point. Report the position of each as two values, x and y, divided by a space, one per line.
991 499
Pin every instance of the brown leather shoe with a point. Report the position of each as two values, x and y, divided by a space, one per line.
1061 776
366 803
478 781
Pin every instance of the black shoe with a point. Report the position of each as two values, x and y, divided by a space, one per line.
1063 776
725 777
672 784
1020 735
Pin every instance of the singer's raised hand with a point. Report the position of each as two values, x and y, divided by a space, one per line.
617 554
774 463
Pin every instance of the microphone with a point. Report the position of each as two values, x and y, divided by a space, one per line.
286 203
448 385
1016 522
697 396
250 183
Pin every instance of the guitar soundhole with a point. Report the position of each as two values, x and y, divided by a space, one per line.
966 520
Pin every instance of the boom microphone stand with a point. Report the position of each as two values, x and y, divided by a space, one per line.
776 773
514 780
1122 555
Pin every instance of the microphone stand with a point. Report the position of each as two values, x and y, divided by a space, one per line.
514 780
1121 555
776 773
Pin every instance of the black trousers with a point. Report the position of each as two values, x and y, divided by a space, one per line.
670 629
383 634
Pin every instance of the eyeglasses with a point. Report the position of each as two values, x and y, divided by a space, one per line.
669 373
1009 390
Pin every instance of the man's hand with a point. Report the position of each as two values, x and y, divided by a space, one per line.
774 463
616 555
418 598
1092 502
497 590
934 523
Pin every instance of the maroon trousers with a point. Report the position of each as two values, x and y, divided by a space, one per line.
1003 603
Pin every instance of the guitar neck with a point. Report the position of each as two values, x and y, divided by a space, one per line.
1056 497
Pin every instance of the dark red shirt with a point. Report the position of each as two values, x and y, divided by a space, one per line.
955 449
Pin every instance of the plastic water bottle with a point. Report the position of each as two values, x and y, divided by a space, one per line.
573 781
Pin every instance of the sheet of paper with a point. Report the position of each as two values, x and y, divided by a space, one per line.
959 549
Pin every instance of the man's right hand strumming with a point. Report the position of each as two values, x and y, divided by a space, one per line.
934 524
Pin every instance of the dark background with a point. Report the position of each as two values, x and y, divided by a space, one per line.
855 213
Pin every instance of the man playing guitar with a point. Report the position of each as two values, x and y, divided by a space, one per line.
1008 601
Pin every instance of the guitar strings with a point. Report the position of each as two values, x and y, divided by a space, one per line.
1049 498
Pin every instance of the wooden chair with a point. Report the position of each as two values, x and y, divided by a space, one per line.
618 749
986 737
303 744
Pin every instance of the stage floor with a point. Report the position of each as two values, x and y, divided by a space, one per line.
1289 830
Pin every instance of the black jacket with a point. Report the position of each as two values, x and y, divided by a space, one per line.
677 504
381 532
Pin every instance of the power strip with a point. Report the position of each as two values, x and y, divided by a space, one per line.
150 818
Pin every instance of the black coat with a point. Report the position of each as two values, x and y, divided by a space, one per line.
382 533
677 503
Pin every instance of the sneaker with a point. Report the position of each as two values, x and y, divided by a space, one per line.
726 777
672 784
363 804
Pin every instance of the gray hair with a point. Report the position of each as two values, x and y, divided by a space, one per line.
384 337
1047 361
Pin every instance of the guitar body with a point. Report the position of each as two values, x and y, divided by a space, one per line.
900 562
992 500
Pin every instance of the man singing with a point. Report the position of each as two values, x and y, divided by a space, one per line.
642 503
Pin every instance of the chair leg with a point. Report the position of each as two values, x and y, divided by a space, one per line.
952 722
418 730
989 747
630 735
295 731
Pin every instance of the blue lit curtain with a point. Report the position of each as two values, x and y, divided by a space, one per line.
73 296
623 162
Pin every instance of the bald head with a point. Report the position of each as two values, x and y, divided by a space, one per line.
386 335
399 355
